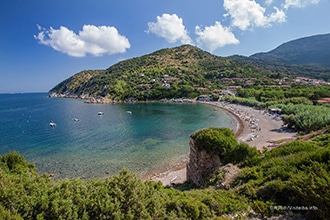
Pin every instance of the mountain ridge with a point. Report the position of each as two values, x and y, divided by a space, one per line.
311 50
185 71
166 73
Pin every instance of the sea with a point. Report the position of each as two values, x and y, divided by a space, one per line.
141 137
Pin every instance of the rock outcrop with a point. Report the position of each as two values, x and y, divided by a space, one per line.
201 165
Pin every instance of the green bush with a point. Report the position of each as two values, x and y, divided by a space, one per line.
8 215
322 140
124 196
291 148
242 154
305 117
215 140
15 163
263 208
292 175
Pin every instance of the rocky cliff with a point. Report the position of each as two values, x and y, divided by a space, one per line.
201 164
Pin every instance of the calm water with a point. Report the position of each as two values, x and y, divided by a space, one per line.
155 136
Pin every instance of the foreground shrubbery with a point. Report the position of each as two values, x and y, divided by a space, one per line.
294 176
25 194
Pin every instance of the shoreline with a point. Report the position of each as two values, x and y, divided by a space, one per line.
240 124
256 128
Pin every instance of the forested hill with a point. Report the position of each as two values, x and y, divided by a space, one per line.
168 73
311 71
313 50
184 71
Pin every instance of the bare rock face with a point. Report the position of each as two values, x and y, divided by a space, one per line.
229 173
201 165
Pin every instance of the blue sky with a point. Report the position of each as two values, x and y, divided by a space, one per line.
44 42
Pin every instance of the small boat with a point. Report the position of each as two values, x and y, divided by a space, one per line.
52 124
100 113
129 112
76 119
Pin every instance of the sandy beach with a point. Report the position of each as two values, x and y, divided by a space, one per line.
255 127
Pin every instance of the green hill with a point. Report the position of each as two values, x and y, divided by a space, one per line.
167 73
313 50
311 71
180 72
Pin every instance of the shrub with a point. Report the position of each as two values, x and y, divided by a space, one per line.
291 148
215 140
15 162
242 154
293 175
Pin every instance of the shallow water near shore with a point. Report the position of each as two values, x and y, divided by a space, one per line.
141 137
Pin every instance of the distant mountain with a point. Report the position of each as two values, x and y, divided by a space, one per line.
311 71
313 50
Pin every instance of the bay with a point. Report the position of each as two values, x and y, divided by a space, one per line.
142 137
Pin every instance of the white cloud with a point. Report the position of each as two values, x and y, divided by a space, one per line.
214 37
171 28
248 13
91 40
269 2
299 3
276 17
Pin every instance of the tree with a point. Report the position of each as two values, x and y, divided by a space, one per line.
119 88
215 140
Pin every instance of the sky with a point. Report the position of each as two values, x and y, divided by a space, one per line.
43 42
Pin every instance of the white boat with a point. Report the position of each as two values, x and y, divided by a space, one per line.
129 112
76 119
100 113
52 124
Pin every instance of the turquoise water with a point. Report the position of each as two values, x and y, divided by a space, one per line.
155 136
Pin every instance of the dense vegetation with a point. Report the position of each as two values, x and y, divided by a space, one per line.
167 73
298 104
25 194
180 72
293 177
216 140
318 72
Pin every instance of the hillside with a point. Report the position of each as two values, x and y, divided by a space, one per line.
311 71
178 72
313 50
